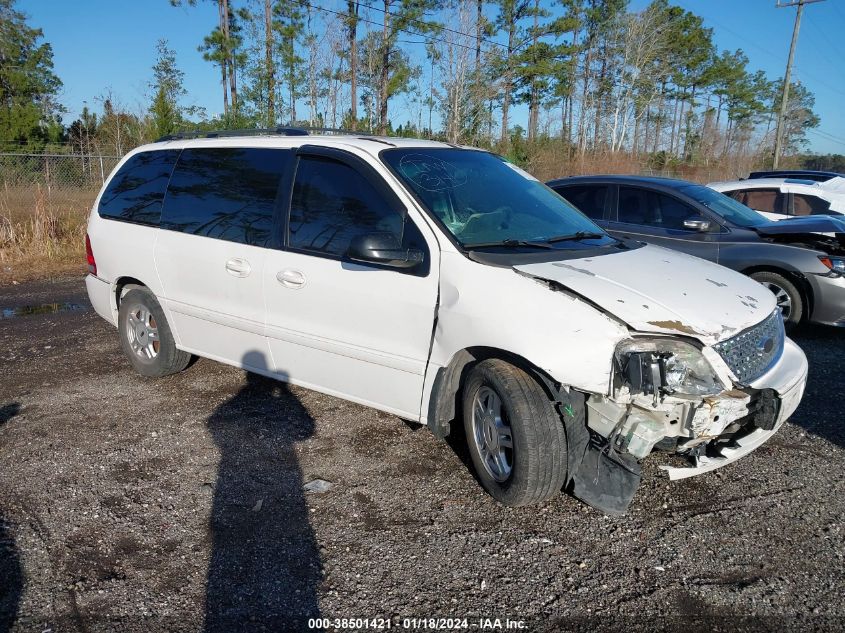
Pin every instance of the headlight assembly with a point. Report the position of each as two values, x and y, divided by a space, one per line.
665 365
836 264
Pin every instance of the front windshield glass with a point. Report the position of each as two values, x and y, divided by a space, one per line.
733 211
485 201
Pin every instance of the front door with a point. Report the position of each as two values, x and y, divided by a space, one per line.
359 331
660 218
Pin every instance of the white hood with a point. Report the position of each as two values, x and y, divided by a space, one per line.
654 289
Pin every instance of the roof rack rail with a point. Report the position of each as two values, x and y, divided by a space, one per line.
338 130
281 131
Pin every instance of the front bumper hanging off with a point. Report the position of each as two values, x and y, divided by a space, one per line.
788 379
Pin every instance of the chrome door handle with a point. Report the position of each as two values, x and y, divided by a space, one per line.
238 267
291 278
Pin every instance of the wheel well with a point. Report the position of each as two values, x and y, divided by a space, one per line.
795 277
444 404
124 285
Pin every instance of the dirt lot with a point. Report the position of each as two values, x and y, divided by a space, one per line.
178 504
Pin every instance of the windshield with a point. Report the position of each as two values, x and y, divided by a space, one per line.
733 211
484 201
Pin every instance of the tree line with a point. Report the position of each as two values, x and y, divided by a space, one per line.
592 76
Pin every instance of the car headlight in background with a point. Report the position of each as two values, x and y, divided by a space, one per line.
836 264
665 365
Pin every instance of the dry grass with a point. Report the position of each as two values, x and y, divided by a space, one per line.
42 232
556 161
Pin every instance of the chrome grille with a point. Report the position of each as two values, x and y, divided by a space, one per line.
752 352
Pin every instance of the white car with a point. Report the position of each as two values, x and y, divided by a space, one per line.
445 286
780 198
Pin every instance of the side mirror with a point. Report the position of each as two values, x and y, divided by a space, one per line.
383 248
702 226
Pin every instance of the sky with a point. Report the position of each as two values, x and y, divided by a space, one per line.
108 46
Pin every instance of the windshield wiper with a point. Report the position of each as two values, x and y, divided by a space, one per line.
576 237
509 243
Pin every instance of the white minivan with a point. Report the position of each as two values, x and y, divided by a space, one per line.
445 286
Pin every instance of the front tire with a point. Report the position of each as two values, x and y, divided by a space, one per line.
145 336
787 295
515 436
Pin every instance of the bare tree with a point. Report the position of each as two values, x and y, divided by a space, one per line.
639 43
454 61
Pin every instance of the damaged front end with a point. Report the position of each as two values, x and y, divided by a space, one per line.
676 395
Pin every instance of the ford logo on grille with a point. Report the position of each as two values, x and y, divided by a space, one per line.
765 345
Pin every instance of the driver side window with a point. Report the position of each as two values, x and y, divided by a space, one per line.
658 210
332 204
672 213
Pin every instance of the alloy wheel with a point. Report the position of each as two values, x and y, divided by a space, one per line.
492 434
142 333
784 301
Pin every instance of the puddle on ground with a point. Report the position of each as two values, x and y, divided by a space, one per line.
44 308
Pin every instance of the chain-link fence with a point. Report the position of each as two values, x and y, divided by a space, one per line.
55 171
62 183
45 199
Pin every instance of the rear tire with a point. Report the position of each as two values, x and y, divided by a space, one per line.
145 336
515 436
787 295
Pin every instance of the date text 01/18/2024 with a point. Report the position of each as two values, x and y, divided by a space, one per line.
418 624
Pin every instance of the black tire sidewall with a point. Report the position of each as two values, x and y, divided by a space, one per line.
167 358
530 447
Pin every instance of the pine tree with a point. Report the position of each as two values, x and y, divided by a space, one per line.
393 66
167 83
290 24
29 112
223 47
165 117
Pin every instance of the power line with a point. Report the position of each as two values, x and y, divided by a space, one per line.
826 135
409 32
443 28
823 84
824 35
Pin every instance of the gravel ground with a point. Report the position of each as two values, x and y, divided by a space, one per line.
179 504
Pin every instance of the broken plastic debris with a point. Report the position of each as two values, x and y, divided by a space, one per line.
318 486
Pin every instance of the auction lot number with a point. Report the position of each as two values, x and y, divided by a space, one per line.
415 624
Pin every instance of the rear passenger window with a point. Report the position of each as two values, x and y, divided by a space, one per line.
589 199
331 204
766 200
809 205
136 191
227 193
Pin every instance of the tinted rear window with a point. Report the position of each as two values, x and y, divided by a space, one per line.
226 193
136 191
804 204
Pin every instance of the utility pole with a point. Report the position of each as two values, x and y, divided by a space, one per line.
785 97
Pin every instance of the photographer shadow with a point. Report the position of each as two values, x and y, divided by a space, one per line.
11 577
11 570
265 568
